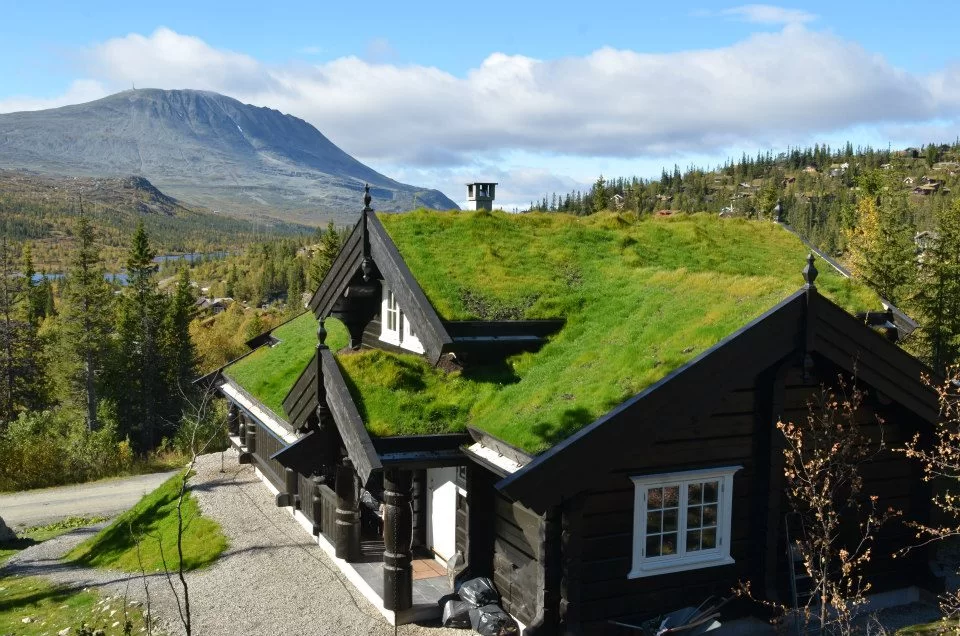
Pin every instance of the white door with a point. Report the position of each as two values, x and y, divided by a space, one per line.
442 511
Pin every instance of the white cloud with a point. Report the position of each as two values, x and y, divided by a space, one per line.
769 89
768 14
79 91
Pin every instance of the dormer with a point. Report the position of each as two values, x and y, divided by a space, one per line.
396 328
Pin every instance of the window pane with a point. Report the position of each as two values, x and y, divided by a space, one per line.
693 517
710 491
693 493
653 546
654 498
693 541
709 538
671 496
669 520
710 515
653 521
669 544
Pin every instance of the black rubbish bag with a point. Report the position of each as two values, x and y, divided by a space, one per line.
456 614
491 620
479 592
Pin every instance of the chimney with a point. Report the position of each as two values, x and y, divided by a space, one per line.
480 195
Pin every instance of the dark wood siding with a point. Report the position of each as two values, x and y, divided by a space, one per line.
739 429
516 557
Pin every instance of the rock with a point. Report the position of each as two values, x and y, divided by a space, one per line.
26 620
6 534
64 632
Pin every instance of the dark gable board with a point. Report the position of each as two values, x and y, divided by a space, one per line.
349 423
344 267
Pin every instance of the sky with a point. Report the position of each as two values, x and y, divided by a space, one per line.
539 96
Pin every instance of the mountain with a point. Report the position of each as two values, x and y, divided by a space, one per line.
43 210
207 149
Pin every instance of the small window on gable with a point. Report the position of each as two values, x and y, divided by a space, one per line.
395 327
682 521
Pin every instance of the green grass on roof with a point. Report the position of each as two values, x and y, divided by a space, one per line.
640 299
269 372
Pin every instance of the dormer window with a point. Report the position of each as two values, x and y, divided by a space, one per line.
395 327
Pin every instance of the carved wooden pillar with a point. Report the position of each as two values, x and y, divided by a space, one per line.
316 503
397 534
242 428
251 437
233 419
347 535
289 496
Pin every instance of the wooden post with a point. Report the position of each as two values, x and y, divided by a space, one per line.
233 419
316 503
289 497
251 437
242 428
397 534
347 535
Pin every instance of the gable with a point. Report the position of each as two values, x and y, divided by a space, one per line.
804 323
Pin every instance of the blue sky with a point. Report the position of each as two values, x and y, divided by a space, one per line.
538 95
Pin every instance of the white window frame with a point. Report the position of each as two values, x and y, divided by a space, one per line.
682 560
403 335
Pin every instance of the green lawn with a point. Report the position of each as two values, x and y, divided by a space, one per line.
640 299
154 519
48 609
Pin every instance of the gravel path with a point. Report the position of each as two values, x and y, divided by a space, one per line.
272 579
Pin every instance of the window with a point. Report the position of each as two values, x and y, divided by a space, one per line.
682 521
395 328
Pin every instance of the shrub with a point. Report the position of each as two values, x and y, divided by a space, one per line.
49 448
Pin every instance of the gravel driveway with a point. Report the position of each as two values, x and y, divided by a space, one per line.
272 579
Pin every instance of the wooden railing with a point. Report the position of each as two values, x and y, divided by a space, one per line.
328 514
267 443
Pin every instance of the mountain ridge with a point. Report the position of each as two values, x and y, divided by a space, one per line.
206 149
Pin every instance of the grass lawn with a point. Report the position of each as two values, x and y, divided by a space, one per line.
48 609
640 298
154 519
52 608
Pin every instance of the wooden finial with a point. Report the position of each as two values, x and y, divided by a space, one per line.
322 335
810 271
367 198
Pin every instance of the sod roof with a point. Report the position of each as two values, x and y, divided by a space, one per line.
640 299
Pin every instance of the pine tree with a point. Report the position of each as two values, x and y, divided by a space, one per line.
179 353
137 383
295 289
22 377
86 314
599 194
326 251
938 292
882 250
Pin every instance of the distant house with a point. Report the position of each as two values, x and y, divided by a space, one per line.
908 181
788 180
886 166
615 473
927 189
213 305
617 201
810 170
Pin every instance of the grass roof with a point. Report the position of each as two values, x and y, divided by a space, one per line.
640 298
268 373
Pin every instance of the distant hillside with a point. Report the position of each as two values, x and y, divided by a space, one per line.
205 149
43 210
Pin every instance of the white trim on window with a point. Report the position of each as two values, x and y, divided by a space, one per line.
395 327
691 506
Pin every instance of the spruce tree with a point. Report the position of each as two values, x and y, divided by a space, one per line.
87 316
937 300
137 382
882 249
179 353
